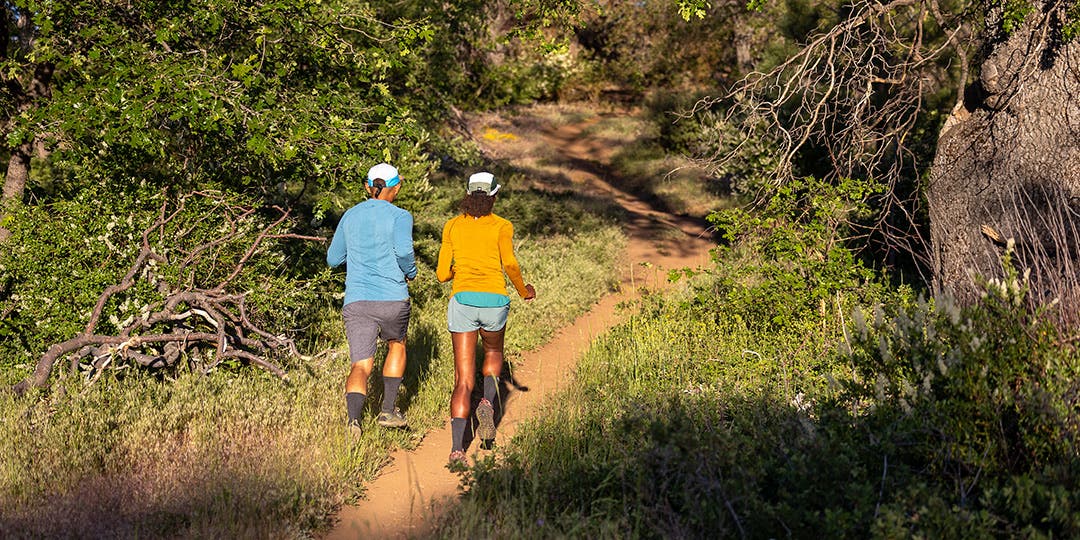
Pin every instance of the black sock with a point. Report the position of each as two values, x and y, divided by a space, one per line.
491 388
457 430
390 391
354 403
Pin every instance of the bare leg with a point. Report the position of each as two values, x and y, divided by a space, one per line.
394 366
356 393
493 352
358 376
464 372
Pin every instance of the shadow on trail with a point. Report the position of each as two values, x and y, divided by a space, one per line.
640 212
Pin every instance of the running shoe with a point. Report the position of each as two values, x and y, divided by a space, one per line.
355 431
485 413
457 461
392 419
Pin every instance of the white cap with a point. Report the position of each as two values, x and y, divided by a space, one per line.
384 171
483 181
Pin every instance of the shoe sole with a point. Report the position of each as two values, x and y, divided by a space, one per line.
355 434
486 415
392 423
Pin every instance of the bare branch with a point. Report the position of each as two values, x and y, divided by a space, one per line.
185 320
254 246
146 253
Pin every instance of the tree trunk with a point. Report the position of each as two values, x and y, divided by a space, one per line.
18 173
1007 170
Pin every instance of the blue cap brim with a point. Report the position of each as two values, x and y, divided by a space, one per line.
389 183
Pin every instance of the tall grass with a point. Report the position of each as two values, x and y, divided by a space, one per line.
237 453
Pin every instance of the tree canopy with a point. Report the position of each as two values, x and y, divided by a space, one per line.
274 106
248 94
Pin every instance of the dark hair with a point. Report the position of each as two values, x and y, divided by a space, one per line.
378 184
477 204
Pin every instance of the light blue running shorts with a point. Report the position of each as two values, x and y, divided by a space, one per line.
462 318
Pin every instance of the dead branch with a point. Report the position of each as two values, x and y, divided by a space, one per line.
853 91
211 323
146 253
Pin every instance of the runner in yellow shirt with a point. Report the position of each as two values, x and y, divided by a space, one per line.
477 248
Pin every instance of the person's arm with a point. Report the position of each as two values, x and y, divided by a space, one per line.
509 261
335 254
403 245
443 270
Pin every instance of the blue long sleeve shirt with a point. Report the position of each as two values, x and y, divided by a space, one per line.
374 240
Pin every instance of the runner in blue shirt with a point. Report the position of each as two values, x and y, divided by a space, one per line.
374 241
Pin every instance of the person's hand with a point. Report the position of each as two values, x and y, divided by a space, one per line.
530 292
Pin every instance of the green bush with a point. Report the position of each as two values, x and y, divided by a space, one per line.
979 408
785 262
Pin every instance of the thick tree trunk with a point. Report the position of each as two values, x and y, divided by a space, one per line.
1008 167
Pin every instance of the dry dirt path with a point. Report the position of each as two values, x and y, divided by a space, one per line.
410 493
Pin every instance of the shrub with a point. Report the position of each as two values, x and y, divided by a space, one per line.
980 410
786 262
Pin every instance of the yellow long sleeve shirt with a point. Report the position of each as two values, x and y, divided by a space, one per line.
475 252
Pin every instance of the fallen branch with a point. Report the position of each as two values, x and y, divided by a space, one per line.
214 321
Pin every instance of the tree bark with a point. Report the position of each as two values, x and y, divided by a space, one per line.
27 93
1008 167
18 172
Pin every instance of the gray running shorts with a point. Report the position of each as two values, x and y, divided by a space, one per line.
368 320
462 318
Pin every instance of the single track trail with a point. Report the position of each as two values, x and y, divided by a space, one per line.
409 494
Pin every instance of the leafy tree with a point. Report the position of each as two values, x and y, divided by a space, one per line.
868 87
113 110
251 94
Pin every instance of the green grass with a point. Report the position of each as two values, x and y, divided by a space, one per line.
651 439
238 453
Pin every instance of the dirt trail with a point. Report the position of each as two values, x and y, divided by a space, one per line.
409 493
